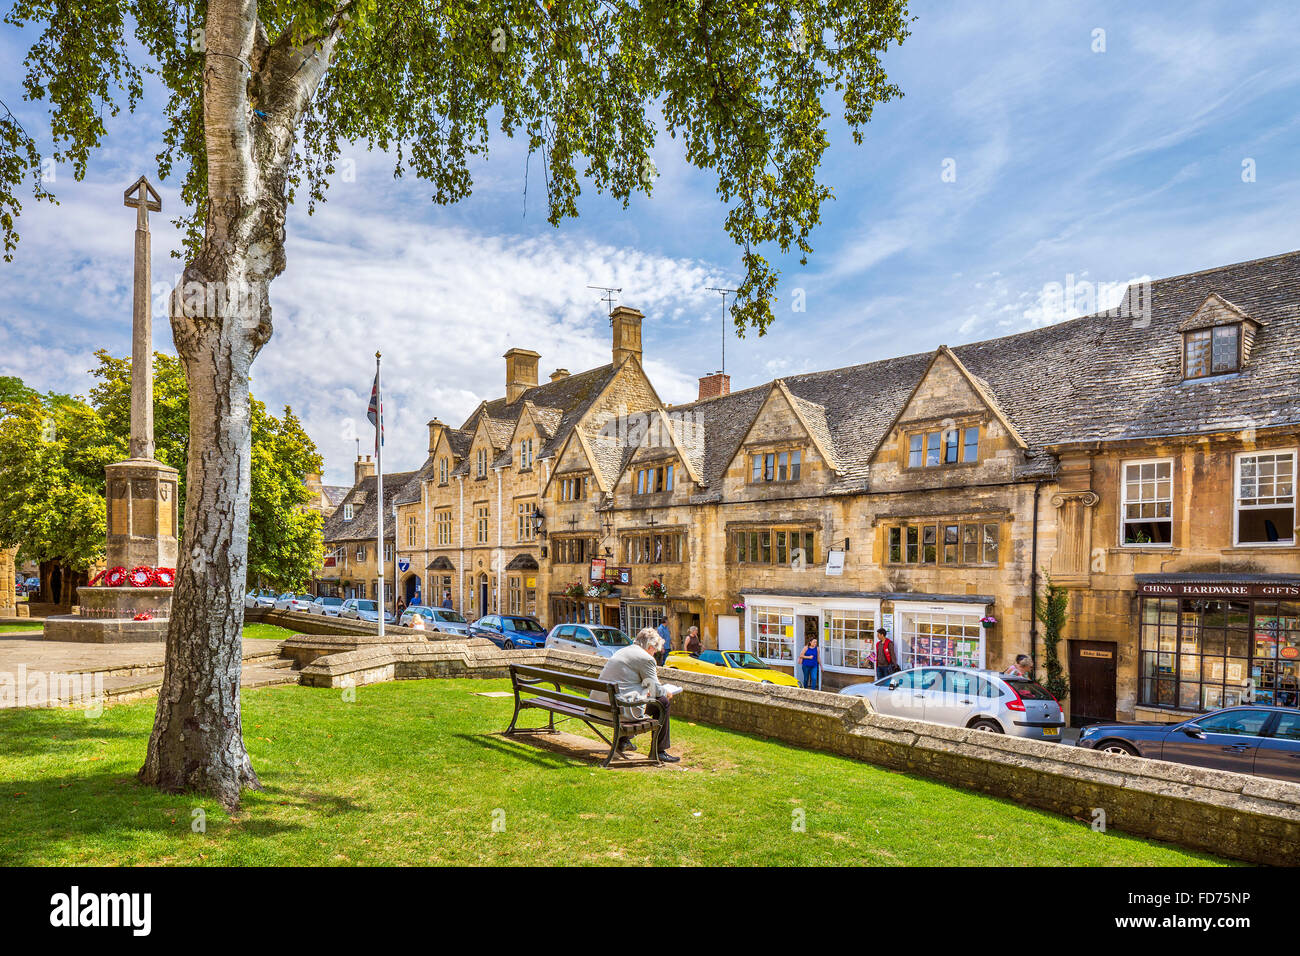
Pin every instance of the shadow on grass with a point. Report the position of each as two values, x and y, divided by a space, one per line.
575 750
26 734
118 812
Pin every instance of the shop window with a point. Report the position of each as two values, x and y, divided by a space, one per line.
1147 503
1265 507
947 446
957 543
1202 655
848 637
514 594
640 616
776 466
772 634
1215 351
942 639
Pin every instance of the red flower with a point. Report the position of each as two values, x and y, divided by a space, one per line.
143 616
142 577
95 580
115 577
166 577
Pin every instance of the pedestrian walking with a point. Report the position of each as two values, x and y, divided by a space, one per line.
886 661
810 662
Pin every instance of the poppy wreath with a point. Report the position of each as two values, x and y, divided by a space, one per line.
142 577
97 578
115 577
165 577
143 616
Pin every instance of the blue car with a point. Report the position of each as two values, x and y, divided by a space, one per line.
509 631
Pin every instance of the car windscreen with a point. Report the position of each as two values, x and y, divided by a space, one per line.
306 597
745 659
451 617
332 602
1030 690
611 637
525 624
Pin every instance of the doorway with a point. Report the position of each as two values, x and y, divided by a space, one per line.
812 627
413 590
1092 682
483 595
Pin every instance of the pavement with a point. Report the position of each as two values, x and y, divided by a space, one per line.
35 672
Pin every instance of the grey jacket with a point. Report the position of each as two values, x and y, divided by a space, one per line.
637 676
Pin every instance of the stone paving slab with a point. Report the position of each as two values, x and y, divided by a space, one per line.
68 657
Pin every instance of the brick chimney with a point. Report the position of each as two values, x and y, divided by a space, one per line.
627 333
436 428
364 468
521 372
559 373
715 385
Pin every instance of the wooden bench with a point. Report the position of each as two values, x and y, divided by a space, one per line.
595 705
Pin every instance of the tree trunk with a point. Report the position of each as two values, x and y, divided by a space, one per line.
254 96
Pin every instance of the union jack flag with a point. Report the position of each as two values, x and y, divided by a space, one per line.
376 411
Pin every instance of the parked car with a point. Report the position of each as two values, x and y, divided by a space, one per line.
294 602
439 619
362 609
961 697
328 606
741 665
260 598
509 630
594 639
1253 738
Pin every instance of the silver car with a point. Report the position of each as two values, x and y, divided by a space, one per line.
439 619
294 602
960 697
587 639
328 606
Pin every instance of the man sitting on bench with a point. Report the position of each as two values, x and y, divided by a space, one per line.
634 670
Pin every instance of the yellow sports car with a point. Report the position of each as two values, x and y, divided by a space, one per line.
741 665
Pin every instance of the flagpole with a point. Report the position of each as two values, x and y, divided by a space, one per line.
379 484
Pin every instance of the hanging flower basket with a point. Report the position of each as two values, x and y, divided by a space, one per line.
655 589
166 577
575 591
988 622
599 589
142 577
739 607
115 577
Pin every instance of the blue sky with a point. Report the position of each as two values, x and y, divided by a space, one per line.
1105 166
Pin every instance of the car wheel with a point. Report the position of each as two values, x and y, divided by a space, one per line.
988 726
509 645
1118 747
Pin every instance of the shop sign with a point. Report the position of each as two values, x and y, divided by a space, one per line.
1212 590
616 575
1099 655
834 563
598 569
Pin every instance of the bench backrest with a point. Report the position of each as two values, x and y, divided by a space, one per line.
541 682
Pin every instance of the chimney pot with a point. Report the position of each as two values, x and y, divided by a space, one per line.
436 428
559 373
714 386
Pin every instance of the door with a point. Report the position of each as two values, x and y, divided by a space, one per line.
1278 755
609 616
1226 740
1092 682
483 594
954 699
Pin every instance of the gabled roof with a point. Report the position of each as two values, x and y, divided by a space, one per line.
1215 310
365 502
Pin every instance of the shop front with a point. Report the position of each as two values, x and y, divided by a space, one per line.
1211 641
936 631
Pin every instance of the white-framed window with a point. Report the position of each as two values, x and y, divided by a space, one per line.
410 531
481 521
1147 503
574 489
527 529
643 615
526 453
443 519
347 511
848 636
1265 498
481 463
361 552
444 470
771 633
941 636
388 553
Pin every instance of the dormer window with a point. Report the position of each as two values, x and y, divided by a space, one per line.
481 463
949 446
775 466
443 470
347 512
1213 351
525 454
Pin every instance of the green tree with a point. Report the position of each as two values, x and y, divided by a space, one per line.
53 449
1052 612
262 98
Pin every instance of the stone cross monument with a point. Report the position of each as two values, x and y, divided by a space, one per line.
141 492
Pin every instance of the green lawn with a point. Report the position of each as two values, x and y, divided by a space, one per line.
11 627
414 772
268 632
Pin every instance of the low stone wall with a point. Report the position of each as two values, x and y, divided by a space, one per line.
1228 814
